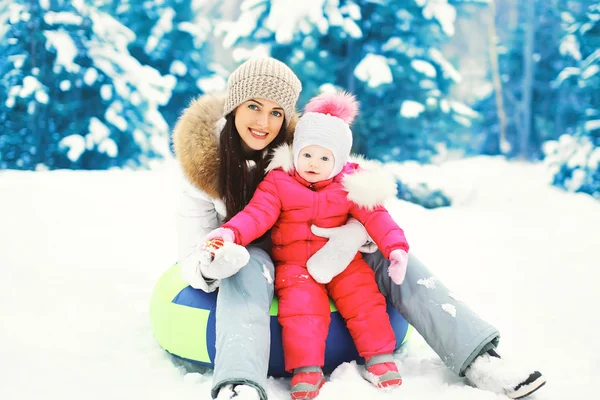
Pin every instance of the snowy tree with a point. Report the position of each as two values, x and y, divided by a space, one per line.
174 37
71 95
385 52
545 113
574 159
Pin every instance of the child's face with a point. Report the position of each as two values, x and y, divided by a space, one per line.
315 163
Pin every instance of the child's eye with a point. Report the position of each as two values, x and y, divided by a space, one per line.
277 114
307 155
253 106
325 158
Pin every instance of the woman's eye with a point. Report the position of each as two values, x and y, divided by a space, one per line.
277 114
253 106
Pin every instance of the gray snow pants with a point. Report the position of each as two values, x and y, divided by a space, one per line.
243 325
243 333
456 337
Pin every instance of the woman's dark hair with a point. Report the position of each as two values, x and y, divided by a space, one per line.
237 181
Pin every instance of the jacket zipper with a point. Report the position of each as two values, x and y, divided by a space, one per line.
314 216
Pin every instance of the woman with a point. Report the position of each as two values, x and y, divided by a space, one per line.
222 144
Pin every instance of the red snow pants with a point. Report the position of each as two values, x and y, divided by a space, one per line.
305 316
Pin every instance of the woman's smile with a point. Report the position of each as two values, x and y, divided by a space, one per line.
258 134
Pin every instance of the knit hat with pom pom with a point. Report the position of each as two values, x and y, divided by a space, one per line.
326 122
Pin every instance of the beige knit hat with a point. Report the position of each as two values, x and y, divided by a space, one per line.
265 78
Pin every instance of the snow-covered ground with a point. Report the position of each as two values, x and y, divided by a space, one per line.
80 253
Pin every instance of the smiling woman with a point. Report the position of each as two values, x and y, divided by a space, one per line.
258 122
223 145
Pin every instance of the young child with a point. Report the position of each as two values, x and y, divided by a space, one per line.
313 183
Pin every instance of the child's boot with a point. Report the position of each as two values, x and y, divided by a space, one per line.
382 371
307 382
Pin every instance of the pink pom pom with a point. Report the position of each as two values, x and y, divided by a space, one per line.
341 105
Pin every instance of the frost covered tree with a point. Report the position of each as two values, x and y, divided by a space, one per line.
536 111
574 159
71 95
174 37
385 52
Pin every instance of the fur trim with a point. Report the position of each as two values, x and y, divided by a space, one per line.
370 188
195 141
283 157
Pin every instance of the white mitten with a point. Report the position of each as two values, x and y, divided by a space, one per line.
343 244
192 274
227 261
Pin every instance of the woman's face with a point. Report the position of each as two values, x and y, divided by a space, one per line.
258 122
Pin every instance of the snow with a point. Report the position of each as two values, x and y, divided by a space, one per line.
31 85
241 54
590 71
353 11
109 30
178 68
286 15
463 109
127 73
108 147
75 144
450 309
429 283
163 26
62 18
411 109
446 66
570 46
90 76
565 74
286 18
374 70
352 28
592 125
81 252
106 92
98 131
41 97
212 83
65 85
65 49
443 12
424 67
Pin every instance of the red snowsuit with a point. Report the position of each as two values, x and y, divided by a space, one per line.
290 205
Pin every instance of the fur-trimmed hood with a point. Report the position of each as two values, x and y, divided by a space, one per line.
195 141
366 186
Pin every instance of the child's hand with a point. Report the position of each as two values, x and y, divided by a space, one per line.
213 241
222 233
397 268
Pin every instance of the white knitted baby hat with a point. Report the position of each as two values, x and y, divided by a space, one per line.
326 122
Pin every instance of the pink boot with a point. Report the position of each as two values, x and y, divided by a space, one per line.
383 371
307 382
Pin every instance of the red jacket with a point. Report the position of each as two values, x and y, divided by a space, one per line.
289 204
